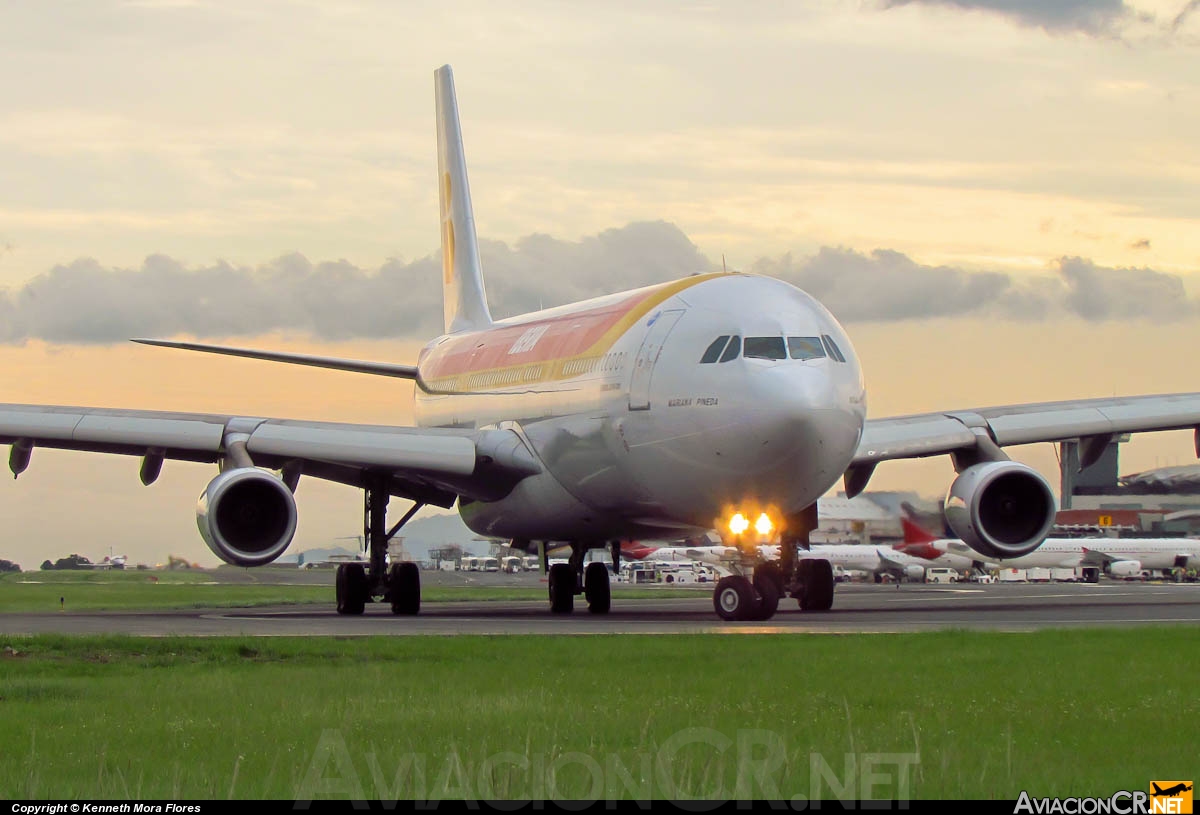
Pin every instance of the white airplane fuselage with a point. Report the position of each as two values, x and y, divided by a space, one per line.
1069 553
637 435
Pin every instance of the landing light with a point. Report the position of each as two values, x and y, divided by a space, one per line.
738 524
763 525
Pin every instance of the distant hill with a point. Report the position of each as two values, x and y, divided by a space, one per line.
420 535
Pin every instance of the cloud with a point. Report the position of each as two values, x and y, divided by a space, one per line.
889 286
1097 293
1092 17
1184 14
85 302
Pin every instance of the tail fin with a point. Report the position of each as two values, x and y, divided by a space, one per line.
465 302
636 551
914 533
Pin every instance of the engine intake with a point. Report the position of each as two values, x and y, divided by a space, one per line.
247 516
1001 509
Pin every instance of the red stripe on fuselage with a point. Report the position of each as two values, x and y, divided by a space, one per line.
563 336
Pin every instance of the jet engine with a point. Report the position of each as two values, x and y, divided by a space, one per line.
914 572
1001 509
247 516
1125 568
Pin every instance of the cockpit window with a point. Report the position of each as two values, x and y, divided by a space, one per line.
734 348
714 350
831 346
764 348
805 347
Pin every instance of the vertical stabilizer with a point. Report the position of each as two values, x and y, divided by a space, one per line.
464 300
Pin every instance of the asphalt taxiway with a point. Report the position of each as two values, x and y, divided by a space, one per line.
857 608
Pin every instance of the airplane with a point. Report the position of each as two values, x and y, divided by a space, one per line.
117 562
918 542
653 413
1169 792
877 561
1119 557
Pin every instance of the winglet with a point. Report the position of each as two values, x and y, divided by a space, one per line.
464 299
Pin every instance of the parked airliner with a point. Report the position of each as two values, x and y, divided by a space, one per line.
1119 557
656 412
877 561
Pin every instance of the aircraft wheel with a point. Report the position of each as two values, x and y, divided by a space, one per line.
351 588
818 586
768 582
404 588
734 598
596 588
562 588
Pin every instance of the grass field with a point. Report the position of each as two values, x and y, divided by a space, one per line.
129 590
1056 713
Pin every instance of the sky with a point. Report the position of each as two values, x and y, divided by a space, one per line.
998 198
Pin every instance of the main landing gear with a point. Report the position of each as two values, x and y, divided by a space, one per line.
400 584
571 578
739 597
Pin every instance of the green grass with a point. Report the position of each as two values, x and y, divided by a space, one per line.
1057 713
132 590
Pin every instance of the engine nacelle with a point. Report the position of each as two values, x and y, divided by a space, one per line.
247 516
1125 568
1001 509
914 572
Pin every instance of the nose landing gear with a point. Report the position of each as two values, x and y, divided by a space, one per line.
808 580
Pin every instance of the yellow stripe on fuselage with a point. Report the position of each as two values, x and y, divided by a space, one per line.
522 376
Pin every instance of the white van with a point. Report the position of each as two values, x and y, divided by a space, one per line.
939 574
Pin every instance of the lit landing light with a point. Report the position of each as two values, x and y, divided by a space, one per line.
763 525
738 524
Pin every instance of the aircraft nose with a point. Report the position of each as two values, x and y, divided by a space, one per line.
803 409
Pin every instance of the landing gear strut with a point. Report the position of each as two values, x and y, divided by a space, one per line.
401 584
809 580
571 578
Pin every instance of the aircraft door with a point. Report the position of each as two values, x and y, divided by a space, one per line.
643 366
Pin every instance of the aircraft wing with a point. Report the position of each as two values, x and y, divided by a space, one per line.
1091 557
430 465
1093 421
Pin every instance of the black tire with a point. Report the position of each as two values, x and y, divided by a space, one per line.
352 588
803 568
768 583
404 588
562 588
596 588
734 598
818 586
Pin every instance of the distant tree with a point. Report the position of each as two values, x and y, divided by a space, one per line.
452 553
72 562
47 565
9 566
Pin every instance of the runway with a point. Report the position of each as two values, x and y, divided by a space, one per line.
858 608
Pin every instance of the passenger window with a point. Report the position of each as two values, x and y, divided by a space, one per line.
714 350
805 348
764 348
831 346
735 348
